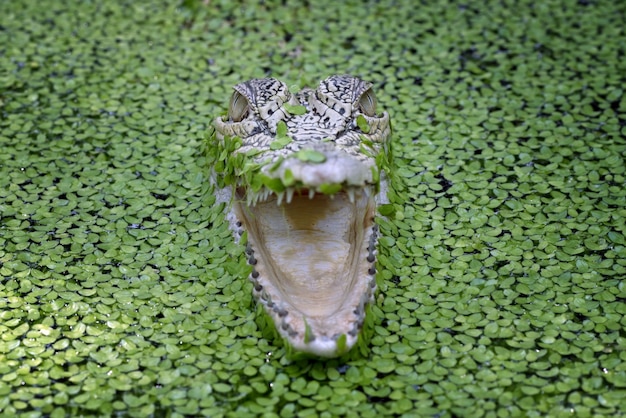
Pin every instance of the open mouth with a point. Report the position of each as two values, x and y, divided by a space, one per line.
313 256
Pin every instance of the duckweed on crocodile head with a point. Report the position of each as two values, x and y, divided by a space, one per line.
502 253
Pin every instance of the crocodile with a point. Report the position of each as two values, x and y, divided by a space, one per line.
302 175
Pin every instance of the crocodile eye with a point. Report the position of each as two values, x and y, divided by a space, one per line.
238 107
367 103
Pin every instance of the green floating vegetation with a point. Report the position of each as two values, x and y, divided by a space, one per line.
282 139
295 110
310 155
502 250
361 122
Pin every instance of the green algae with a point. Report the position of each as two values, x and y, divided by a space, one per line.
501 264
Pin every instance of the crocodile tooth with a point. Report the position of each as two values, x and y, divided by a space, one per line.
280 196
285 326
358 311
351 193
311 194
365 299
282 312
289 191
266 296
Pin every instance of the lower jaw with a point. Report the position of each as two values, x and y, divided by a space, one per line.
313 266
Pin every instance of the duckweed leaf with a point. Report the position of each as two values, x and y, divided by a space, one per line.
280 142
361 122
309 155
329 188
295 110
281 130
288 178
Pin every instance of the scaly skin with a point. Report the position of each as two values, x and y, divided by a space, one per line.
302 175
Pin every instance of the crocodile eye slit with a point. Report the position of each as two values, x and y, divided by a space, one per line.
238 107
367 103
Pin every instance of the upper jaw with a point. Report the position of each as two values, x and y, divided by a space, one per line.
337 168
336 171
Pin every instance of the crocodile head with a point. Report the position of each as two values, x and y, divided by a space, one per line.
303 174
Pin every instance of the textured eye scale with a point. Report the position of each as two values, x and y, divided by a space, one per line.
302 175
